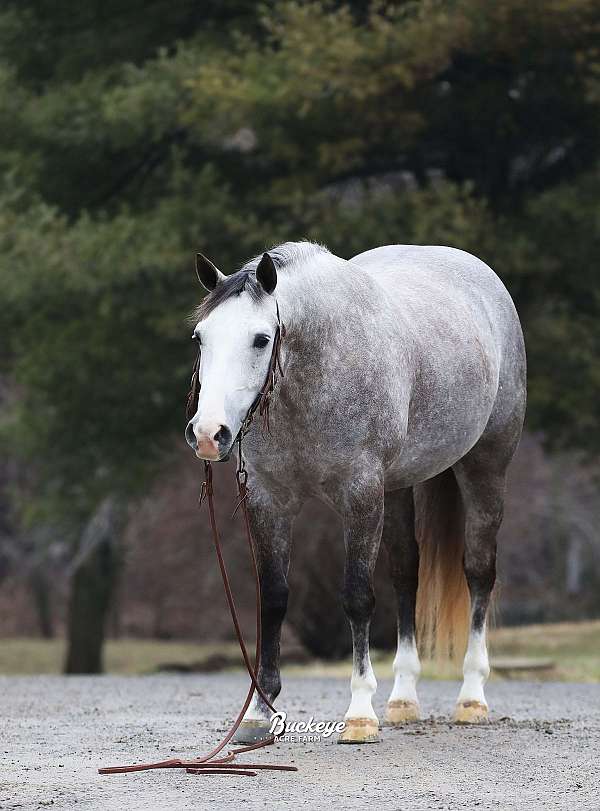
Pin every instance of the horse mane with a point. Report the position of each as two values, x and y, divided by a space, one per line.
289 254
285 256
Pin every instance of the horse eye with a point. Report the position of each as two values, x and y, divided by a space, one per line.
260 341
196 338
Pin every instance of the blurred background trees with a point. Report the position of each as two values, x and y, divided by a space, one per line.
133 134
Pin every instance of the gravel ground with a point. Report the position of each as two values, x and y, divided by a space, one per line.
540 750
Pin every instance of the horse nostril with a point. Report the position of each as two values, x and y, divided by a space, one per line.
191 436
223 436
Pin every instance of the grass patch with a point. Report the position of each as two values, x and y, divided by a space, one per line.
574 647
25 656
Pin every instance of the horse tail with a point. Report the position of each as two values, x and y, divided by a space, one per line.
443 602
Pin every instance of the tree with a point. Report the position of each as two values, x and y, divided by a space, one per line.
94 304
131 137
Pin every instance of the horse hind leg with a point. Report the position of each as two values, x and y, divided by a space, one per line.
403 555
482 486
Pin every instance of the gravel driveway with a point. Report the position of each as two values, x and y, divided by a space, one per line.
540 751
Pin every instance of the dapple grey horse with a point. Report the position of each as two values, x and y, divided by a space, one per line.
401 406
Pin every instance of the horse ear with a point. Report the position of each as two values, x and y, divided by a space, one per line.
266 273
208 275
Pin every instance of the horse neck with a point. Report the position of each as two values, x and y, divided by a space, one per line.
310 297
323 305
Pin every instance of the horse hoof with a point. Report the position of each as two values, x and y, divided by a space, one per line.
400 711
360 730
470 712
252 732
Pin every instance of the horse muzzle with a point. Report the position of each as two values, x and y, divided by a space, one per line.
212 445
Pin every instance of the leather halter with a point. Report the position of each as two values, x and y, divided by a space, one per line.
209 763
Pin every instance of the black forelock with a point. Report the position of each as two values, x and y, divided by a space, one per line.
243 280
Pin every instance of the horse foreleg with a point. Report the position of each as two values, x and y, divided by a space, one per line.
403 553
363 523
271 531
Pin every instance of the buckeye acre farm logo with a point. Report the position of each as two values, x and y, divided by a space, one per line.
302 731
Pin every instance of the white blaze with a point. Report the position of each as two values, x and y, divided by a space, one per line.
232 370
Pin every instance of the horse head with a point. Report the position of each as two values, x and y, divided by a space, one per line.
237 328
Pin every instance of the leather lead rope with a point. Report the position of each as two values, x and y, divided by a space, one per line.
209 763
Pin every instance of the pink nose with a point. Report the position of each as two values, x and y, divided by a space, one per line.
207 448
210 442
